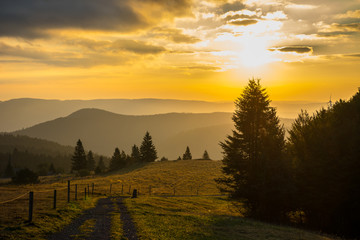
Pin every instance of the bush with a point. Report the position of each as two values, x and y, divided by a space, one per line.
25 176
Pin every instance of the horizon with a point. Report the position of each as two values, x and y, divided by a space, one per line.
188 50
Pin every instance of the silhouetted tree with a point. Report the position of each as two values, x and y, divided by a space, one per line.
25 176
79 157
206 156
147 149
254 168
325 149
115 160
179 158
187 155
9 170
135 153
90 161
52 169
100 168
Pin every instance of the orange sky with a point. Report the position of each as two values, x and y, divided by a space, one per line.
183 49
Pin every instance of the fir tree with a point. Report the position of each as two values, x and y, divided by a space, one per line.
253 156
90 161
147 149
79 157
52 169
179 158
187 155
135 153
115 160
100 168
9 170
206 156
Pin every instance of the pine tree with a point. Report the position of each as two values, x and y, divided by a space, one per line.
179 158
100 168
52 169
79 157
253 156
147 149
115 160
206 156
90 161
135 153
9 170
187 155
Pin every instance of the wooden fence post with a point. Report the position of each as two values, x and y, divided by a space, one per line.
92 189
68 191
85 193
75 192
54 198
31 205
88 192
122 189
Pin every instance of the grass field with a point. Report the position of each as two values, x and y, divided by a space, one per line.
210 218
191 214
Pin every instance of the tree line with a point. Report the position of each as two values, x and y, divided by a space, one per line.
312 176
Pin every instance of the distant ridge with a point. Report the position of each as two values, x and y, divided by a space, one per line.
102 131
25 112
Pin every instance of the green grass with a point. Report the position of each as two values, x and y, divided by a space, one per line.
47 223
204 218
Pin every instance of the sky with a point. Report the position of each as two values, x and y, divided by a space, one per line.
303 50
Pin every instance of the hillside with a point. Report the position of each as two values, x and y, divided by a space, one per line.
102 131
29 152
26 112
21 113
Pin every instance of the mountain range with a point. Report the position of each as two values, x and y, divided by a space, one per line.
101 131
22 113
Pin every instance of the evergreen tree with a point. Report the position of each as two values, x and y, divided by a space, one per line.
187 155
100 168
123 159
79 157
52 169
179 158
147 149
325 149
9 170
115 161
135 153
90 161
206 156
254 168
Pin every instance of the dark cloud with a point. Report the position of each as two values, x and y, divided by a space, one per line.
228 7
297 49
245 22
31 18
137 47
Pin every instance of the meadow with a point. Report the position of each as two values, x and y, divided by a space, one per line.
178 200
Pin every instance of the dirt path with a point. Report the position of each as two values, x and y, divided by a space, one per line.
101 215
128 224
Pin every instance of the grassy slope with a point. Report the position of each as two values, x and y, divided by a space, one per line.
159 217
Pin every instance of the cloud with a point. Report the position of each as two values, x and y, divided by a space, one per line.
230 7
349 14
173 34
34 19
297 49
245 22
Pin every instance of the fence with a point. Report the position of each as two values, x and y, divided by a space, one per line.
23 204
